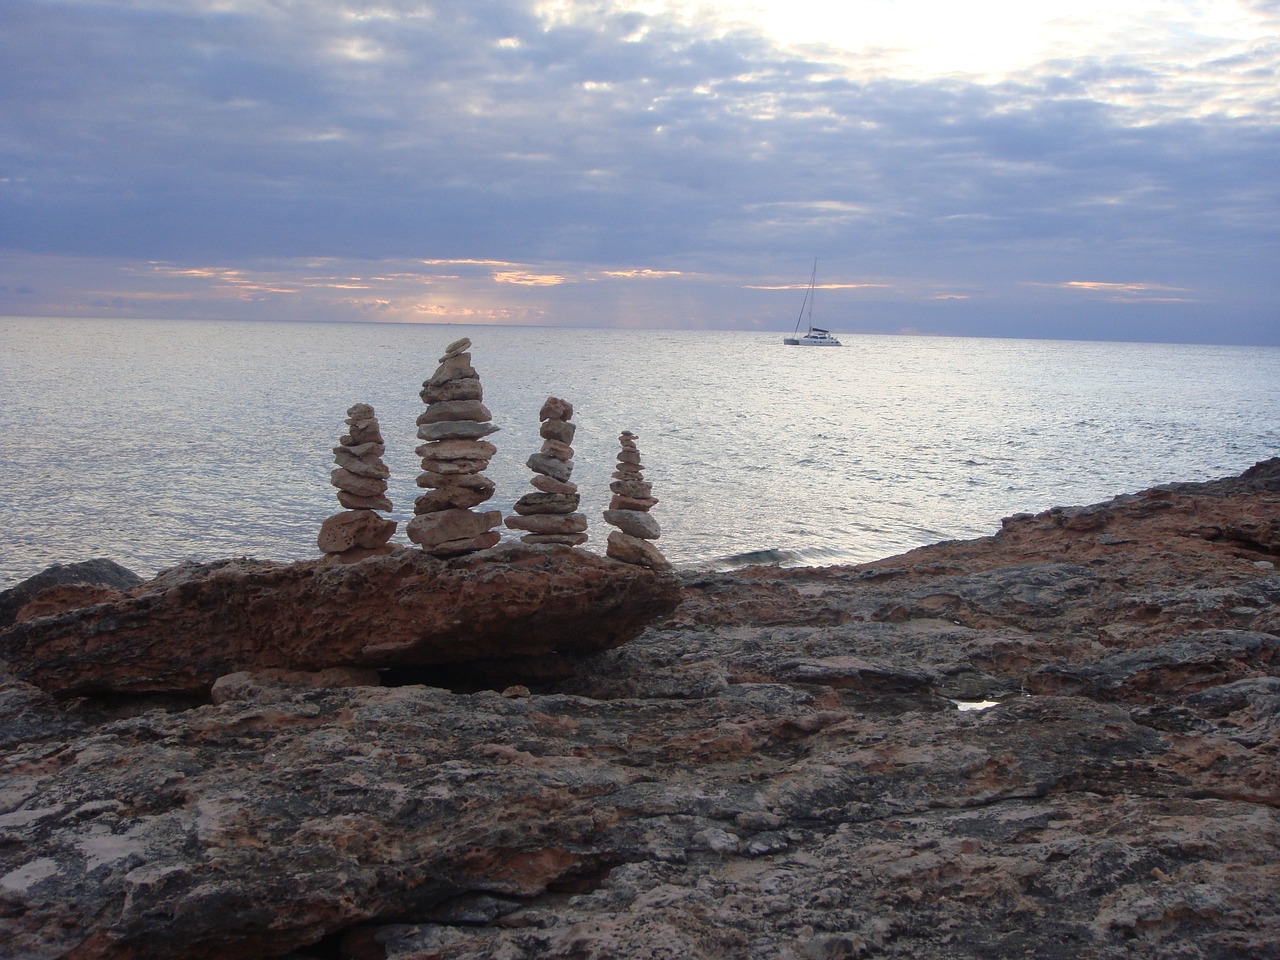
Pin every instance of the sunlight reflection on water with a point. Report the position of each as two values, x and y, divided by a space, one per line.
155 441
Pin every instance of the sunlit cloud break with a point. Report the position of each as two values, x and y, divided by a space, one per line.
523 279
643 274
1122 292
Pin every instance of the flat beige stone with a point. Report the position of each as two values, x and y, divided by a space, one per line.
549 523
633 550
552 485
452 410
433 529
456 450
635 523
360 486
354 528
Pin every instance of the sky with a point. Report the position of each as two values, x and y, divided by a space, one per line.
1072 169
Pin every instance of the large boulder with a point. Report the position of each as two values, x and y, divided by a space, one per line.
181 631
64 586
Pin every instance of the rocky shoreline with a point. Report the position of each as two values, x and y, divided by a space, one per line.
767 763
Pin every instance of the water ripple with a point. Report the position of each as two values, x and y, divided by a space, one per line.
153 442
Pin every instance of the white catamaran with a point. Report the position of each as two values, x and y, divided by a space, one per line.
816 337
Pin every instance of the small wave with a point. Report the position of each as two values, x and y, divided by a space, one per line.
777 557
772 557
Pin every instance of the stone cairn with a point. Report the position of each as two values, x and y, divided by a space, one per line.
454 458
361 479
629 511
550 515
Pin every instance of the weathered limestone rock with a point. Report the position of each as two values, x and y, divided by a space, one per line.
629 510
455 524
456 411
634 523
363 467
356 485
548 465
550 515
361 479
775 769
402 608
267 685
547 484
449 496
558 429
354 528
629 549
455 430
555 409
456 448
468 389
564 539
65 586
353 502
533 503
641 504
453 458
547 523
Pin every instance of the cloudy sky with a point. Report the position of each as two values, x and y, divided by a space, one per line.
1097 169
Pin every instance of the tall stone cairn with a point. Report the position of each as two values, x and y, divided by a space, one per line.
629 511
361 479
550 515
454 458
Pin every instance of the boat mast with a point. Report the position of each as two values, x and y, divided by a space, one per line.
808 298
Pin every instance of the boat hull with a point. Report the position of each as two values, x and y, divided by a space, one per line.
816 337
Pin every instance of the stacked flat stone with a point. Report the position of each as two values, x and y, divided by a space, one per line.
454 458
361 479
550 515
629 510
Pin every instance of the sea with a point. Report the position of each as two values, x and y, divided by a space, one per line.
154 442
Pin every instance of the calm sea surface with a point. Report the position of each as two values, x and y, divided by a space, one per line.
152 442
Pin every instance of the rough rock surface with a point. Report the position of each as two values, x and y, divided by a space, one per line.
775 770
190 625
64 586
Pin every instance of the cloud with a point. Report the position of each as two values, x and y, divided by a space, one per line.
525 279
1130 292
543 156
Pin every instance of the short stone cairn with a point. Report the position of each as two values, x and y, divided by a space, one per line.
454 458
629 511
550 514
361 479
